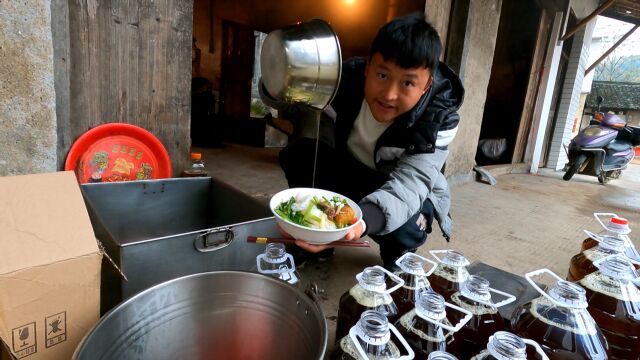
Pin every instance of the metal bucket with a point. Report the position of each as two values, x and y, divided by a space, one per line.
301 64
215 315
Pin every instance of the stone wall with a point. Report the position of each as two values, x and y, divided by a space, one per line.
27 97
475 70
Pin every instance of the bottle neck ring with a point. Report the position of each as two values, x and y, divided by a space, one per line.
275 253
507 346
412 264
373 279
431 305
619 268
476 288
455 258
373 328
569 294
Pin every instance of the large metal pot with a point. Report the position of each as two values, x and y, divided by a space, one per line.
301 64
215 315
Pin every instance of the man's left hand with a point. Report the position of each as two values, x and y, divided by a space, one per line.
353 235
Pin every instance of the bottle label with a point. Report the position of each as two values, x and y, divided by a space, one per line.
478 309
594 254
541 306
369 298
452 274
610 287
406 321
347 345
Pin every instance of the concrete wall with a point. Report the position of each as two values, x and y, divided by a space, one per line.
27 97
475 70
570 97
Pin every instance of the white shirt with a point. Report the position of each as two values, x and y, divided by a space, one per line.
364 135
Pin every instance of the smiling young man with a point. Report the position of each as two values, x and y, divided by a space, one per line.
392 118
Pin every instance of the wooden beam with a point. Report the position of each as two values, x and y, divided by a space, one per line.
584 21
535 74
604 56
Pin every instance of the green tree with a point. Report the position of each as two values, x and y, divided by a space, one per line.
618 69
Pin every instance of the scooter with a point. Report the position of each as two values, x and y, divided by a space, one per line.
602 149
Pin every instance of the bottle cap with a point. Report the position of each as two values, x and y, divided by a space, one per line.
196 156
619 220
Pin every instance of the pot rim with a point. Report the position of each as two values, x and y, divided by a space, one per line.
314 306
323 30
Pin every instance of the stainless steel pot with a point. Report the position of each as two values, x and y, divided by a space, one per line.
215 315
301 64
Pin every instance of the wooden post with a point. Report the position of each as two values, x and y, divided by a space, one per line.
604 56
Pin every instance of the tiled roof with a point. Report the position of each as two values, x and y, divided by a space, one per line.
617 95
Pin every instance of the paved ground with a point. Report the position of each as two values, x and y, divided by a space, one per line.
523 223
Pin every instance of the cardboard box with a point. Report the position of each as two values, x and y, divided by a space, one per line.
49 266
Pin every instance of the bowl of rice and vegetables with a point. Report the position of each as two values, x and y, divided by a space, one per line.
314 215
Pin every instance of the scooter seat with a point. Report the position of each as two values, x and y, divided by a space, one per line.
617 146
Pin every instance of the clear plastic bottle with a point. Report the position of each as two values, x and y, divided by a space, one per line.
413 273
614 303
427 328
371 338
559 321
475 297
504 345
615 226
276 262
370 293
196 167
450 273
581 264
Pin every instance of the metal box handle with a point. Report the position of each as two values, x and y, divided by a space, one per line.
213 239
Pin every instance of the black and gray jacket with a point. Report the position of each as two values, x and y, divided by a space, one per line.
411 151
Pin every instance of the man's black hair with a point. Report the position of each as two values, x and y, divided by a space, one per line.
409 41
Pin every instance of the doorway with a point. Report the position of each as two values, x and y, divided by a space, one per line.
509 81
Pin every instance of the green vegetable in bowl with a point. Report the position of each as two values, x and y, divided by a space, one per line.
319 213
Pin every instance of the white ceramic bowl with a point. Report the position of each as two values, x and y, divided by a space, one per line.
310 235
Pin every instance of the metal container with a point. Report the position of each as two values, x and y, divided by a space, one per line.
158 230
217 315
302 63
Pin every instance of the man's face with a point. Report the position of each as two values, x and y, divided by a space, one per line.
391 90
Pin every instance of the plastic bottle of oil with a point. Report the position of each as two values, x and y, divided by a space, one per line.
504 345
413 271
613 226
582 263
371 339
475 297
370 293
614 303
196 167
559 321
450 273
276 262
427 328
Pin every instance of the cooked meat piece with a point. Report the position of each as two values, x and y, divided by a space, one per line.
344 217
326 208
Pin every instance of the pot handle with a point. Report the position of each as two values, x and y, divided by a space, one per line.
213 239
